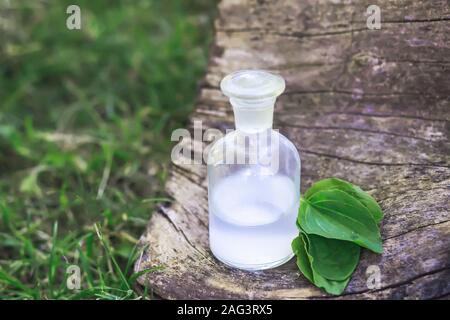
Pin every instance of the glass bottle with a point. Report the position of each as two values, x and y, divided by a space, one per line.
253 179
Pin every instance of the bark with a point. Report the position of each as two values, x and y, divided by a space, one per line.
368 106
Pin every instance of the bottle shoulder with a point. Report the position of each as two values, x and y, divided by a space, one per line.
288 144
236 142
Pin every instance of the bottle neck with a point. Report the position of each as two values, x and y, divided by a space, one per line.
253 115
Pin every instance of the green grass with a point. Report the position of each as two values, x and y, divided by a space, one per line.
85 123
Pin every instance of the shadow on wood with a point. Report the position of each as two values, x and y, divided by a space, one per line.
368 106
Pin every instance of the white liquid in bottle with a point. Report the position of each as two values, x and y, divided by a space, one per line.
252 220
253 204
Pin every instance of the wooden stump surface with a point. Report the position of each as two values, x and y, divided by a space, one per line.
368 106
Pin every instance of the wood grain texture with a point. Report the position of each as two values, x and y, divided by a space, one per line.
368 106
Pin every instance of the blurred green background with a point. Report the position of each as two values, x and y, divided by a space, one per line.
85 123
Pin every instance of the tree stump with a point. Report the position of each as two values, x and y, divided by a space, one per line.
368 106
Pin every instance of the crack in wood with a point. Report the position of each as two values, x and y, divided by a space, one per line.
409 190
362 94
351 28
398 284
164 214
385 115
288 91
374 163
416 229
282 123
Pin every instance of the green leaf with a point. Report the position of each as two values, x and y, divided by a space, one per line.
335 218
355 191
300 247
333 259
336 214
335 287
